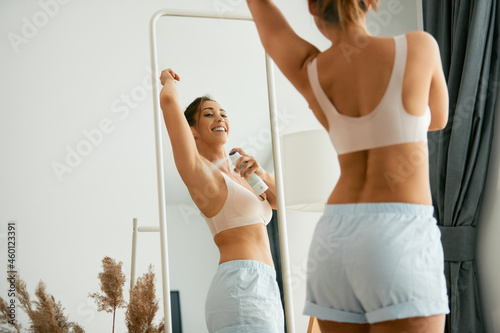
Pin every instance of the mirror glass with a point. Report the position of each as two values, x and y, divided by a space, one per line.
225 59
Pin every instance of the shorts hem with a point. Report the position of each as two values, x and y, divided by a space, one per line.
325 313
418 308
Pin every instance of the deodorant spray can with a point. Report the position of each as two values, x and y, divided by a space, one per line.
257 184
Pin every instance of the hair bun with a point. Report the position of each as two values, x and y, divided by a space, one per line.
343 12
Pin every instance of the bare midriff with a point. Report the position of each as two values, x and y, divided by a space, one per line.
244 243
398 173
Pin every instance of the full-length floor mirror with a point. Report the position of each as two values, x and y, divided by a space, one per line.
223 58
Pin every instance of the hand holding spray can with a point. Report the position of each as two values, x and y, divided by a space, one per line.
257 184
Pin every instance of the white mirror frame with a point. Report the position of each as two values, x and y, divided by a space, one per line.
158 122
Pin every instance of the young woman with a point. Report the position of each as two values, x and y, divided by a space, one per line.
244 295
376 260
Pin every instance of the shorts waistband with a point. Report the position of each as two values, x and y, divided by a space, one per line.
379 207
247 264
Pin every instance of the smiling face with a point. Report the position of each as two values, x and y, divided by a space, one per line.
212 125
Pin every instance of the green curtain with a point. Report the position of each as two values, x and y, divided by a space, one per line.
467 32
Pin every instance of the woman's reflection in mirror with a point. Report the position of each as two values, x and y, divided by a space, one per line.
244 294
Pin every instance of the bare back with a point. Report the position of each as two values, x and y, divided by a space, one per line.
355 80
354 74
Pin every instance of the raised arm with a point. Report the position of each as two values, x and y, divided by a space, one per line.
195 171
186 155
290 52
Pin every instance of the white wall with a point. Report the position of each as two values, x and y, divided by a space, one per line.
86 63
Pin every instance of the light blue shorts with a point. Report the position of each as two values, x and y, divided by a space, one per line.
244 297
376 262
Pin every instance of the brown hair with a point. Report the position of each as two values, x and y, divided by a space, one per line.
193 109
343 12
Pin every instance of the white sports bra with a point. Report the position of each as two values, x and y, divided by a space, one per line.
387 124
242 207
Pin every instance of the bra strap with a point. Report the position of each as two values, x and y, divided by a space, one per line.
321 97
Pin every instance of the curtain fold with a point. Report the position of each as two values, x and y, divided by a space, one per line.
468 35
274 242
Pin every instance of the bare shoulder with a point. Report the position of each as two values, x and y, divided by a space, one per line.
422 42
423 50
419 36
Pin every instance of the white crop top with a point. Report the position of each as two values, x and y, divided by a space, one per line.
242 207
387 124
